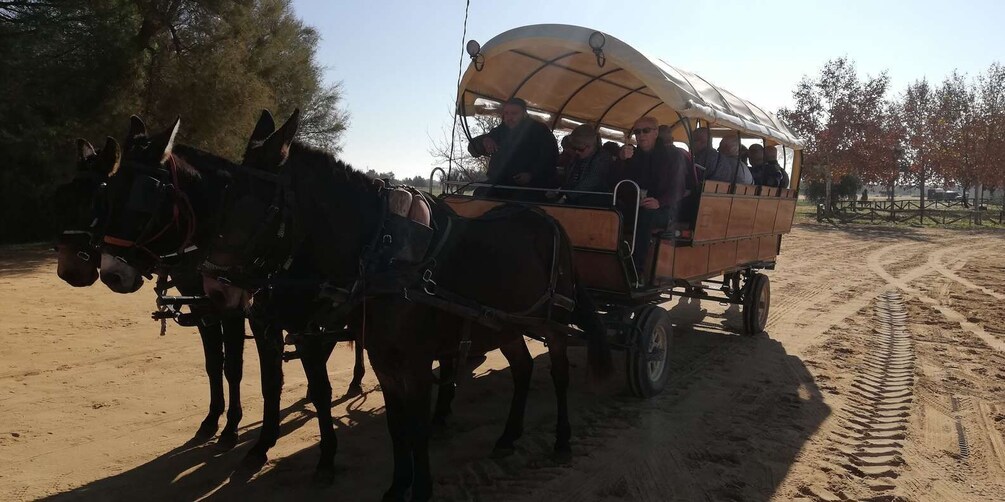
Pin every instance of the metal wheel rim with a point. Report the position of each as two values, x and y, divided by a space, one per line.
763 301
657 342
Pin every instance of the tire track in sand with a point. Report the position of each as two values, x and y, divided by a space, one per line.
903 283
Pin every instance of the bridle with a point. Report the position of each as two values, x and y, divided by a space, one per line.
154 185
88 238
261 251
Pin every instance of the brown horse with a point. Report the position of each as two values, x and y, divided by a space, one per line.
302 202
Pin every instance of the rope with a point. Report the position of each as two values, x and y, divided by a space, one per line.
460 66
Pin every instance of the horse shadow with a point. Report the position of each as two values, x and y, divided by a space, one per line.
735 414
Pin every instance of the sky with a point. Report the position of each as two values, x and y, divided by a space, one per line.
398 60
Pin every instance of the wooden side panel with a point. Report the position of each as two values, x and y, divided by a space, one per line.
741 217
600 271
764 222
589 228
783 219
767 247
690 262
721 255
746 251
470 208
713 216
716 187
664 261
769 191
746 189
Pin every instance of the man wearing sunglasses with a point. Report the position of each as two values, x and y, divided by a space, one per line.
659 172
524 153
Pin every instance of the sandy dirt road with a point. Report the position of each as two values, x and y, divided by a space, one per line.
881 377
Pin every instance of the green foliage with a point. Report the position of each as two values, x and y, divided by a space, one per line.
80 69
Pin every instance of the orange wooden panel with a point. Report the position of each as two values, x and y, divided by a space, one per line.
713 216
769 191
767 247
746 251
746 189
716 187
690 262
764 222
600 271
741 217
721 255
470 208
664 261
783 219
588 228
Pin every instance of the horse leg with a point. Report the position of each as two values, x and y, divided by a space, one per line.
522 366
314 358
445 393
392 385
358 370
420 387
212 347
269 342
233 369
560 376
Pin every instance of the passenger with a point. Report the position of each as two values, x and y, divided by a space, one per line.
659 172
729 164
771 160
589 169
524 153
743 156
689 200
758 169
715 167
612 149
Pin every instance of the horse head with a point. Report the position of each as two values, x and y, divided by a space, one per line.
146 216
79 208
288 200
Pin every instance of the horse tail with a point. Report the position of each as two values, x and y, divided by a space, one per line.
598 351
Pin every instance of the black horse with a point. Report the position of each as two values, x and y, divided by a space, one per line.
298 201
158 206
77 206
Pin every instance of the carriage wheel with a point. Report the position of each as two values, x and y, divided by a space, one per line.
648 363
756 300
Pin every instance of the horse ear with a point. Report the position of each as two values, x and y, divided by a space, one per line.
162 144
264 128
277 147
137 130
110 157
84 150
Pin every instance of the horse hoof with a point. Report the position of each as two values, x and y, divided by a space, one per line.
227 441
324 476
562 455
393 496
502 452
353 391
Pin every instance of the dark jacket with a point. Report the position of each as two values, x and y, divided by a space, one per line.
661 171
588 175
530 147
782 175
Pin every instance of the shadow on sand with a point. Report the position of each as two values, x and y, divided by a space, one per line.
730 425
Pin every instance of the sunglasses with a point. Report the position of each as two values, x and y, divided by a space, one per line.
644 130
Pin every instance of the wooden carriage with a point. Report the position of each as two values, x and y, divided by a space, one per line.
571 75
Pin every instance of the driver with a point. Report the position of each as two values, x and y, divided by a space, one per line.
523 150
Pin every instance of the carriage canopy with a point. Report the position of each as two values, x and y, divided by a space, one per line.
554 68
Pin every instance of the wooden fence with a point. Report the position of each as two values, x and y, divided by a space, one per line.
907 211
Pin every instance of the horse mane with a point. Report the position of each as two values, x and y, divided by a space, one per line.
325 162
195 163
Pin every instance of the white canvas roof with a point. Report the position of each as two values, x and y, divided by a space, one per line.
553 68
